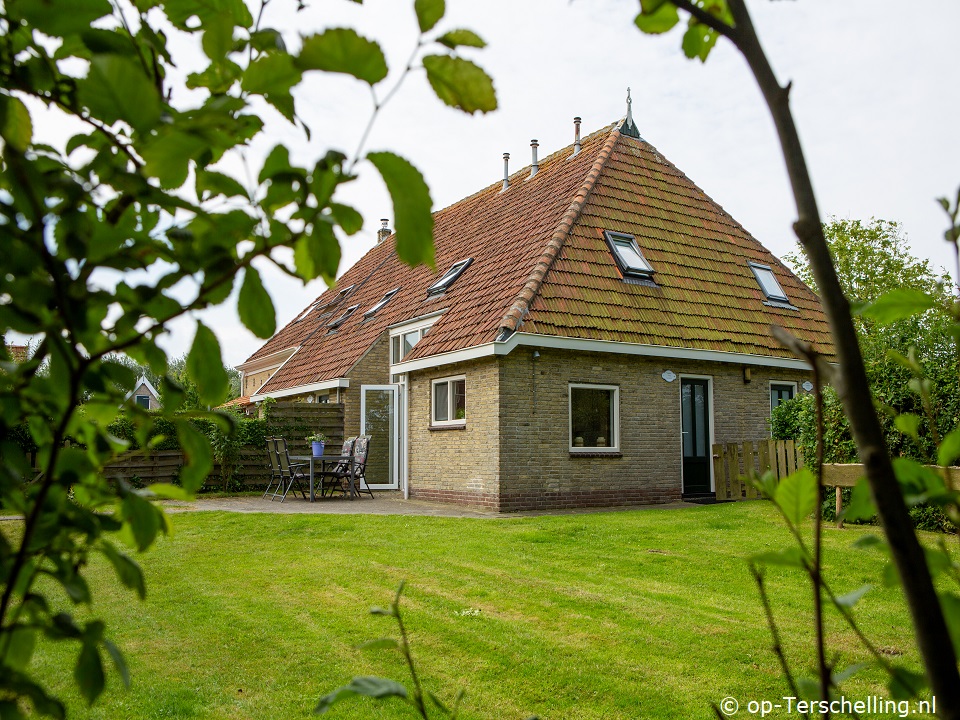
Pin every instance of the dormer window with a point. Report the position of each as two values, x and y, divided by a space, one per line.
627 253
768 283
343 318
383 301
449 277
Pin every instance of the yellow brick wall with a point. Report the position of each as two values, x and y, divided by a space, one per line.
254 381
371 369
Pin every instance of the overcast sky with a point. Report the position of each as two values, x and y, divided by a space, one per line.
874 96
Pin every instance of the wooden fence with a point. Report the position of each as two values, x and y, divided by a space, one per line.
734 463
291 420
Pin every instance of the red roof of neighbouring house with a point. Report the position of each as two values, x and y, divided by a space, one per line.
541 265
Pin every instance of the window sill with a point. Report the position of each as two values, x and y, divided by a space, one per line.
595 453
441 428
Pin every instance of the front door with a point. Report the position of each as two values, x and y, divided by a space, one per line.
380 420
695 429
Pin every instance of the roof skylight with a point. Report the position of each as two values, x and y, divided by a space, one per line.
383 301
449 277
339 297
768 282
343 318
627 253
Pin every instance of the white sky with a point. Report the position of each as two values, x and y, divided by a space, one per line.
874 97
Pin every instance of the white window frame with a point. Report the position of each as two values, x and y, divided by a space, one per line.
779 382
380 303
343 318
616 418
759 268
450 411
421 327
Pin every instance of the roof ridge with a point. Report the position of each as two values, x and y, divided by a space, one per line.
521 304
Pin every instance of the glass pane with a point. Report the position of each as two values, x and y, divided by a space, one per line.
409 340
396 349
686 420
769 283
629 255
143 401
441 401
459 399
591 416
379 423
699 414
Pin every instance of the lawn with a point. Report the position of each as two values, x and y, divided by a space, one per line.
649 613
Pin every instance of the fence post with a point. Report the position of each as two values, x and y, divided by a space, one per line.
718 477
839 507
748 469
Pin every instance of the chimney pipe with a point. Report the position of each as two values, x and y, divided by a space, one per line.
506 171
384 232
576 137
534 167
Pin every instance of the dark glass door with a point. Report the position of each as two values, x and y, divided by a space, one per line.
695 427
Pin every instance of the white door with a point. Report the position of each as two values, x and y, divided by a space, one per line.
380 419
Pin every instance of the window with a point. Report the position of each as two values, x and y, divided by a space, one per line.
768 283
449 277
780 393
143 401
383 301
449 401
343 318
403 343
341 295
627 253
306 312
594 418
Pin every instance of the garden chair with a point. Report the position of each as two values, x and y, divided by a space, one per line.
332 478
290 474
276 476
360 452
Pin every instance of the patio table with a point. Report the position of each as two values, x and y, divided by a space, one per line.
332 459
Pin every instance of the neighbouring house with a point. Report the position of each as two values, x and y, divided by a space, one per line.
144 394
595 322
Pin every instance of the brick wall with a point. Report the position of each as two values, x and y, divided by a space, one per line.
373 368
513 453
255 381
459 465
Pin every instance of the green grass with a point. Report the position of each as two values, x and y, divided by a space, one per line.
647 614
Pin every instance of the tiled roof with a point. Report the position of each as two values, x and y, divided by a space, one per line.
541 265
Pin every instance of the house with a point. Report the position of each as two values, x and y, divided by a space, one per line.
144 394
594 323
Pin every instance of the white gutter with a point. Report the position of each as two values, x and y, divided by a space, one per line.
600 346
303 389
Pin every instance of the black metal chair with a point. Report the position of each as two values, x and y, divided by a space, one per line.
276 476
290 473
332 478
361 450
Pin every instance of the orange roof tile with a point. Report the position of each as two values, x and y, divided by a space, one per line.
542 265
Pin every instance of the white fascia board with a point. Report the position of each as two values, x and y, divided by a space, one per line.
267 361
304 389
600 346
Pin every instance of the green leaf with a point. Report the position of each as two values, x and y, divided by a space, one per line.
868 542
662 17
951 612
60 17
379 644
851 598
861 505
205 367
366 686
342 50
277 163
211 183
461 38
20 645
271 75
217 39
117 88
908 424
317 254
128 572
460 83
387 612
168 157
898 304
949 448
791 557
411 207
797 495
88 672
905 684
143 519
118 662
698 41
255 306
196 453
347 218
16 127
429 13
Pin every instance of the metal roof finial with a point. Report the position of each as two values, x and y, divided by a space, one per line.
629 127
